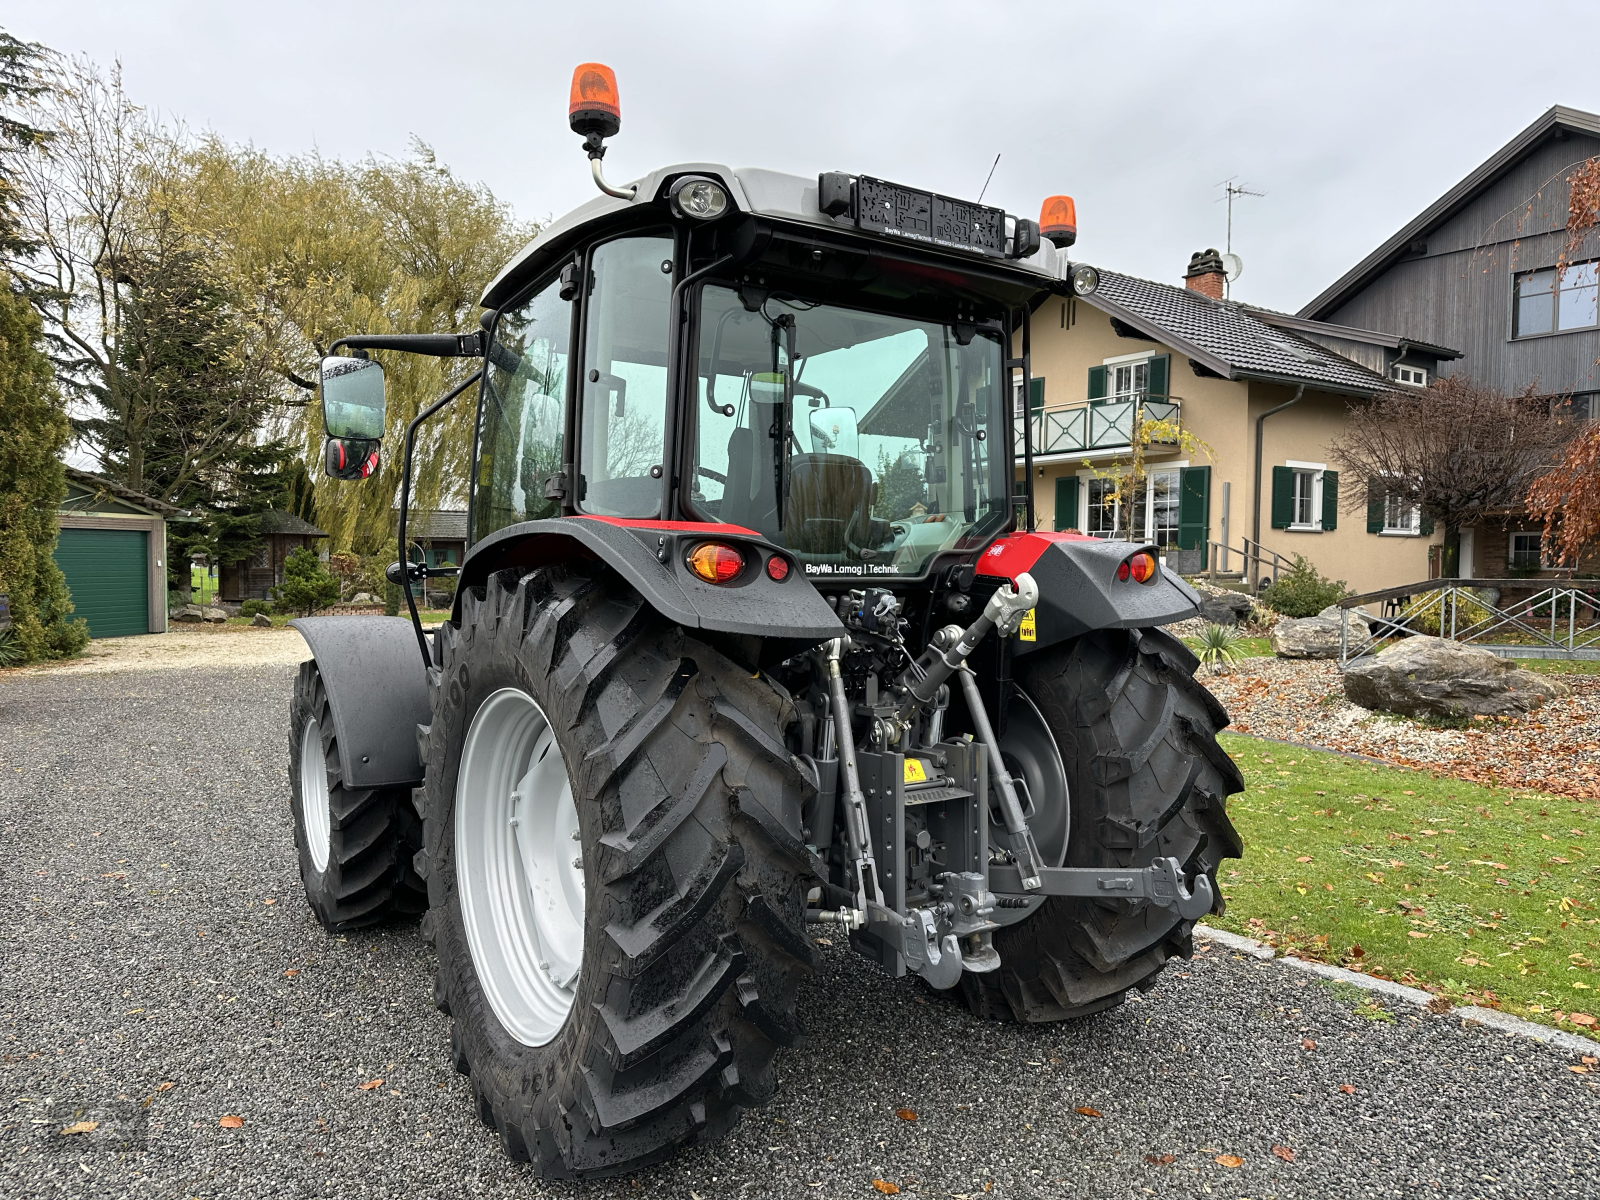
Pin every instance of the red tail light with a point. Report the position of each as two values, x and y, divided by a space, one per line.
1140 567
715 562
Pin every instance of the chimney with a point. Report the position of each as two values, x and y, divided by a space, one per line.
1205 274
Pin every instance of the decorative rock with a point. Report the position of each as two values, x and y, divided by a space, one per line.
1227 609
189 614
261 621
364 598
1434 677
1310 637
1360 630
214 616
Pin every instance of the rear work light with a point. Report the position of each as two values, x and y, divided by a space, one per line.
715 562
1140 567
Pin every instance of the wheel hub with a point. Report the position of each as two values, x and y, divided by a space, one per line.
519 864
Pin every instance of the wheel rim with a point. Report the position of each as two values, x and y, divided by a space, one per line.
519 866
1030 751
314 793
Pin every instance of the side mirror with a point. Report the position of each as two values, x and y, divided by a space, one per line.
350 458
352 398
833 431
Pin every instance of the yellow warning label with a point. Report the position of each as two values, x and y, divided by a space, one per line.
915 771
1028 632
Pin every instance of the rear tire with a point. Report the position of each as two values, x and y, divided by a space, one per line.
1137 734
694 873
355 844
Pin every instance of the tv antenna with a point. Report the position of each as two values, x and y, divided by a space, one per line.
1234 263
989 177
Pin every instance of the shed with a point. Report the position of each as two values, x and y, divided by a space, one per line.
282 533
113 550
441 534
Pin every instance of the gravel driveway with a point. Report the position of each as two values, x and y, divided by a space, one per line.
161 972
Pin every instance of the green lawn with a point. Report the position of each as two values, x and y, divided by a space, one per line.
1488 896
1559 666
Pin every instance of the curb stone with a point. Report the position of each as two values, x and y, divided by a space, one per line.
1505 1023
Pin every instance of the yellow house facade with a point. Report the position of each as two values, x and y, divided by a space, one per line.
1232 378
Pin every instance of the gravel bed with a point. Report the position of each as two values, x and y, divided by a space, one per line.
1556 748
147 828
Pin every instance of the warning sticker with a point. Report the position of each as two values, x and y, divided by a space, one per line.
1028 631
915 771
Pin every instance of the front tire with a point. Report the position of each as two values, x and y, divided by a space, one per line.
693 874
1137 734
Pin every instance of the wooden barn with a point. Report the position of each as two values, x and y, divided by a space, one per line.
282 534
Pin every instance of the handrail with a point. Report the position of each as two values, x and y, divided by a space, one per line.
1258 554
1538 583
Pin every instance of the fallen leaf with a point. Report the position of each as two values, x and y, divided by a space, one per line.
1440 1004
232 1122
1349 1089
887 1188
905 1114
1416 933
1228 1160
165 1087
1580 1018
1160 1160
371 1085
81 1127
1304 858
1083 1110
1307 1044
823 941
1590 1060
269 902
1574 1070
1284 1153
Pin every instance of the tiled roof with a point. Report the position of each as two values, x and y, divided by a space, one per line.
1227 338
444 525
275 520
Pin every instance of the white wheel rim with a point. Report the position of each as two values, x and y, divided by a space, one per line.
519 866
314 793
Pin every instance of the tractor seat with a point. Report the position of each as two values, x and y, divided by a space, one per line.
830 504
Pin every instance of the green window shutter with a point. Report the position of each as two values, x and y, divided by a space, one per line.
1156 379
1194 509
1375 505
1282 497
1067 502
1097 383
1330 500
1427 525
1036 393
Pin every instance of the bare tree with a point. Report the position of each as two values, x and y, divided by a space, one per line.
1458 451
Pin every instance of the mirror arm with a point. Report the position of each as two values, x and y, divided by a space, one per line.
436 345
405 501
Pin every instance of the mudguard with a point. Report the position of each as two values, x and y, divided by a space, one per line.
378 691
650 555
1078 587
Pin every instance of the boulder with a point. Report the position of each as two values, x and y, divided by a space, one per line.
214 616
189 614
1227 609
364 598
1434 677
1360 629
1309 637
261 621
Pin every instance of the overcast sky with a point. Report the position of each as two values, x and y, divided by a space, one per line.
1351 117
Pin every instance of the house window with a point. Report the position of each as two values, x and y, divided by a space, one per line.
1149 513
1161 488
1526 551
1545 304
1415 376
1400 515
1125 381
1304 513
1102 509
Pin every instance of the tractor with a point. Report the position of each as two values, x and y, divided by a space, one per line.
755 639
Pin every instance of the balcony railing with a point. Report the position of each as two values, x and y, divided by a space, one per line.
1086 425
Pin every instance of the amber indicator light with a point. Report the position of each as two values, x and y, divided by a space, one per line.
594 92
778 568
1140 567
716 562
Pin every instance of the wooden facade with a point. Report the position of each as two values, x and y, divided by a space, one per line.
282 534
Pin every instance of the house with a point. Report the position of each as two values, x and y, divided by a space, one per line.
113 551
440 534
1264 393
1478 269
282 533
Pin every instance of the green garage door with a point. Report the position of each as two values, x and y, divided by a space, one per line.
108 573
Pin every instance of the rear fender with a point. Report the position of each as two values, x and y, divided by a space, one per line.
378 691
651 555
1078 587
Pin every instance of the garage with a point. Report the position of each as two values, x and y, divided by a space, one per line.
112 549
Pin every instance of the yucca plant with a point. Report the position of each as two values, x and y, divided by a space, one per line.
10 647
1219 646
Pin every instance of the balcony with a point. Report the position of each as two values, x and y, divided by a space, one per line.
1086 426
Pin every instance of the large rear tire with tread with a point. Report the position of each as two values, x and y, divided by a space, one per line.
694 873
355 844
1137 734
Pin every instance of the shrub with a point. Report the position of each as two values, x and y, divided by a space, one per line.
251 608
306 585
1219 646
10 647
392 598
1301 591
1428 620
